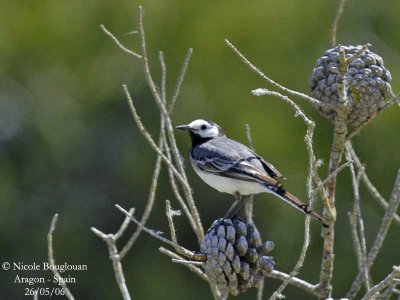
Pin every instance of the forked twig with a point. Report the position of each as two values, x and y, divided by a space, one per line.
389 280
310 178
269 80
380 237
156 234
114 255
368 184
357 222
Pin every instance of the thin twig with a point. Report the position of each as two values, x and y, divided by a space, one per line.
118 43
148 137
298 111
367 182
174 186
158 99
358 53
191 267
380 237
335 23
389 291
124 225
180 79
304 285
390 279
111 241
163 77
248 211
313 101
308 140
216 295
166 160
338 170
168 212
189 254
356 239
150 199
248 136
51 258
357 222
170 131
388 104
187 262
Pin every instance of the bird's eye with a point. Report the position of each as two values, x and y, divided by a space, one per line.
203 127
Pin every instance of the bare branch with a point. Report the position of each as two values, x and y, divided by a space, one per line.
169 214
248 211
367 182
358 53
216 295
389 291
150 199
170 131
357 221
335 23
249 138
174 186
181 175
191 267
339 139
149 139
351 134
189 254
298 111
356 239
389 280
187 262
124 225
180 79
338 170
308 287
380 237
111 241
118 43
308 140
51 258
270 81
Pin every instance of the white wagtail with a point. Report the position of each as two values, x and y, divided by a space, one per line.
231 167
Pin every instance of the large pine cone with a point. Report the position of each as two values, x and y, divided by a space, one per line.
368 84
235 254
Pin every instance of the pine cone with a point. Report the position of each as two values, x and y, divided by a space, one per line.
236 256
368 84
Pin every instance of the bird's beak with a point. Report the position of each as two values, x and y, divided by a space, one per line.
183 127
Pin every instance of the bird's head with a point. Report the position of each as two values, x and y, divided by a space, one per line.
202 130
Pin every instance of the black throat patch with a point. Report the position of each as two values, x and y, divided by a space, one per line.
197 139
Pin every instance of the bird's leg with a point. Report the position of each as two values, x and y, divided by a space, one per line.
229 212
238 203
241 204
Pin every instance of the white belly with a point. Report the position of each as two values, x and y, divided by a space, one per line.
231 185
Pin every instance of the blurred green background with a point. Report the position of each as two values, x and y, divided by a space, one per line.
68 143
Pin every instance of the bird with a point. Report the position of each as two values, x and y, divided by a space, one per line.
231 167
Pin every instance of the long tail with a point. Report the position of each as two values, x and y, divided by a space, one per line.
279 191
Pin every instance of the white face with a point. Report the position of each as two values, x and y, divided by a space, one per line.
204 129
